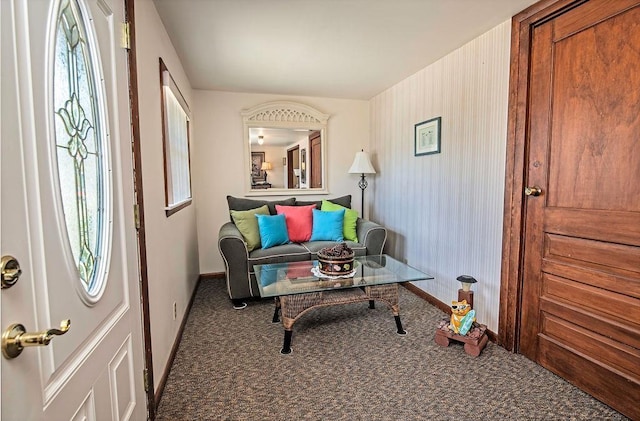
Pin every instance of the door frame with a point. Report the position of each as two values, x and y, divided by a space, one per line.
139 203
291 177
511 276
313 153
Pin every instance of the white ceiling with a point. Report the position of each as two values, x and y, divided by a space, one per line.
277 137
325 48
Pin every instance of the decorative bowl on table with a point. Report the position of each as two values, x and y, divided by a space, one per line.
337 260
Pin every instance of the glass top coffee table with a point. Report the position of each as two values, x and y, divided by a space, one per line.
297 290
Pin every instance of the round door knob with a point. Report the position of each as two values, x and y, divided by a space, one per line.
533 191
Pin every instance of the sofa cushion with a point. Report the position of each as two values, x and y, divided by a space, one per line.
291 252
342 201
350 219
273 230
241 204
299 221
247 224
327 225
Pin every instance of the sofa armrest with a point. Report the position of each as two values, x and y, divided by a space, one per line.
235 255
371 235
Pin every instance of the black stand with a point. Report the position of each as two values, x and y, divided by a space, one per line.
363 185
401 331
286 347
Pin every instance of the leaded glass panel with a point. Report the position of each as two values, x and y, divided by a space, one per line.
80 147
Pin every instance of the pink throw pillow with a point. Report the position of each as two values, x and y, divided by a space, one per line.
299 221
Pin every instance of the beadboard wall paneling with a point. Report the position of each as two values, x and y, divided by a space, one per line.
444 211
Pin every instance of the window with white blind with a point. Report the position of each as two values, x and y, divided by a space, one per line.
175 130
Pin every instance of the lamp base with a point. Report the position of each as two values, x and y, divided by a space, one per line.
363 182
363 185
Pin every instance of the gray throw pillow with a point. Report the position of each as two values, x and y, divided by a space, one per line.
242 204
344 201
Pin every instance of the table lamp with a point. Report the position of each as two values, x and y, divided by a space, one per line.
265 166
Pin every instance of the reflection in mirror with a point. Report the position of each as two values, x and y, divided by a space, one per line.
278 158
285 144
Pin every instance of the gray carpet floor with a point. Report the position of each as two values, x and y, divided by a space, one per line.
348 363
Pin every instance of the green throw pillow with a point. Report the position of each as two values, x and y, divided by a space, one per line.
247 224
350 218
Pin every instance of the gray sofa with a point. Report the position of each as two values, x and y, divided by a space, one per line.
240 276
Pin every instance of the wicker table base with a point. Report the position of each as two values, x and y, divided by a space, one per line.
295 306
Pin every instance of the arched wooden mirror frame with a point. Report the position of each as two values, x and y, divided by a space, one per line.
284 115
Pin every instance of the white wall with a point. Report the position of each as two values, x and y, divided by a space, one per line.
444 211
172 246
218 166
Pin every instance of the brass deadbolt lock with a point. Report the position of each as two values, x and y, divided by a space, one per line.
10 271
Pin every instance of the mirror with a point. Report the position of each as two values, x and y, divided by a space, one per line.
284 152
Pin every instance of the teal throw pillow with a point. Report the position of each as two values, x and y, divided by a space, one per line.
350 219
273 230
327 225
247 224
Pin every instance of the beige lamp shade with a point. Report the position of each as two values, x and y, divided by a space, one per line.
266 166
362 164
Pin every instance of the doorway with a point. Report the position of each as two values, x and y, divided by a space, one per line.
293 167
315 149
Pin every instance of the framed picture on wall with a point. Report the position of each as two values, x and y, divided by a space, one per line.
257 158
427 137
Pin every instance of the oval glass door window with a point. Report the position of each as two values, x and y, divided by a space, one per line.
82 147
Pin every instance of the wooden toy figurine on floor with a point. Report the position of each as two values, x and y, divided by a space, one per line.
462 317
462 326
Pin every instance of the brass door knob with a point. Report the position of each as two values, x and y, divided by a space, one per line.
15 338
9 271
533 191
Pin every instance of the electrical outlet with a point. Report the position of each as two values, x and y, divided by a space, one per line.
175 310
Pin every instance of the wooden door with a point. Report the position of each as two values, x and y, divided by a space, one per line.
315 147
580 313
293 162
67 213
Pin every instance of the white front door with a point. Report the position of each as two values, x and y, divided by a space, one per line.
67 215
